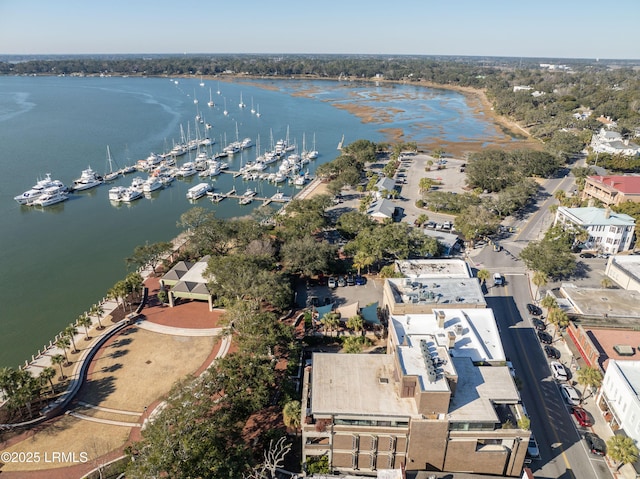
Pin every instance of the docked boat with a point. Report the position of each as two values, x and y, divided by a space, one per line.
137 184
186 170
249 193
112 174
38 189
50 196
246 143
245 200
88 179
152 183
130 194
116 192
280 196
198 191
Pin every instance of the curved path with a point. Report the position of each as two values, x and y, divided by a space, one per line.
189 319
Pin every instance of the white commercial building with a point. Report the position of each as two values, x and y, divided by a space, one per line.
618 397
609 232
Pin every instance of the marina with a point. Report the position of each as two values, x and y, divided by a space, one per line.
76 118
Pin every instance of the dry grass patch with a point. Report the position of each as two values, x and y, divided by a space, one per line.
68 435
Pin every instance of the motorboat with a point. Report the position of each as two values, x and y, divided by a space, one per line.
137 184
50 196
250 193
130 195
88 179
187 169
246 143
280 196
151 184
116 192
37 189
198 191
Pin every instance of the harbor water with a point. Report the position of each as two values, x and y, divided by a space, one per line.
59 260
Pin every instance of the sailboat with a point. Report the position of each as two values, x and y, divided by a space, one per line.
195 100
313 154
241 104
341 142
112 175
258 111
253 110
201 81
210 103
218 91
225 112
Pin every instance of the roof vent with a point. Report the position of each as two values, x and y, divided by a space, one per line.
624 350
383 380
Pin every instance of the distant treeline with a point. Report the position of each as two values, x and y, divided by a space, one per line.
558 89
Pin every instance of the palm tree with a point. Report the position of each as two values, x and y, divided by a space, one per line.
85 321
622 449
97 310
483 275
330 321
549 302
59 359
291 415
589 377
560 195
71 331
362 259
47 374
63 343
356 323
558 318
539 279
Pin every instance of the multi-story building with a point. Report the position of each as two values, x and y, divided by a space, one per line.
607 141
618 397
612 190
625 271
441 399
609 232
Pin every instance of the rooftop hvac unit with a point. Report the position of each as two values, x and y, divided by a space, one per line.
458 329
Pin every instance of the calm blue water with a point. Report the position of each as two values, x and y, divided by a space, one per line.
58 261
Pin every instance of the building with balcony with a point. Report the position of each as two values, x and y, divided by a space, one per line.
440 399
609 232
612 190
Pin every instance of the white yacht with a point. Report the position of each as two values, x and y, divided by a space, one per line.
198 191
115 193
151 184
130 195
88 179
246 143
280 196
37 189
50 196
187 169
137 184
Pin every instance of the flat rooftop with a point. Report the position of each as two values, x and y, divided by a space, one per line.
602 302
629 263
435 291
359 385
606 338
478 389
434 268
476 334
631 371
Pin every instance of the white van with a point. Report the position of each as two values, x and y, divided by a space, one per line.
498 279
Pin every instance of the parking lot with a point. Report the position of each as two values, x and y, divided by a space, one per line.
321 294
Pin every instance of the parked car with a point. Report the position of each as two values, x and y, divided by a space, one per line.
551 352
544 337
570 395
431 224
581 416
534 310
558 371
350 280
532 449
332 282
587 255
595 445
360 280
342 281
538 324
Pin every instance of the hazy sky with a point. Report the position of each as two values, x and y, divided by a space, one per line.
543 28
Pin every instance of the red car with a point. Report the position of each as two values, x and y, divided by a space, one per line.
581 416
